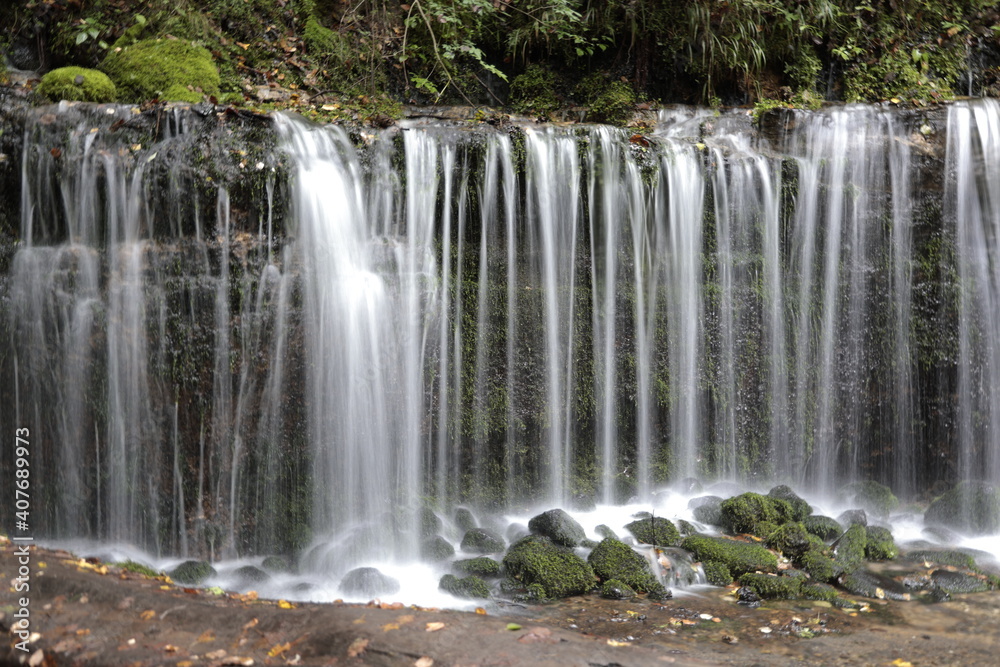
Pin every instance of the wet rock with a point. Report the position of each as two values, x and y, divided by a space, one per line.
472 587
537 560
717 573
368 582
655 530
613 559
678 566
951 557
481 567
750 512
464 519
800 508
823 527
770 587
558 526
791 539
605 532
958 582
748 597
853 517
277 564
248 575
821 568
815 591
429 522
482 541
739 557
707 509
876 499
516 531
192 572
871 585
614 589
436 548
686 527
879 544
849 550
972 507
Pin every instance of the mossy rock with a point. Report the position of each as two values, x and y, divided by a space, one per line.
972 507
168 69
430 523
464 519
856 517
717 573
880 544
615 104
739 557
655 530
686 528
791 539
951 557
849 550
871 585
772 587
248 575
746 512
821 568
138 568
472 587
368 582
824 527
605 532
815 591
77 84
560 572
613 589
707 509
192 572
481 567
613 559
800 508
276 564
436 548
482 541
559 527
959 582
533 92
876 499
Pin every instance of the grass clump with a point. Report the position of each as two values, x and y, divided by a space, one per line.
138 568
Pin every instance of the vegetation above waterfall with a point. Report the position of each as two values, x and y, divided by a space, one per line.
534 56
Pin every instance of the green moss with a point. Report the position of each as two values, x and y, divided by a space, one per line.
481 567
613 559
559 526
791 539
812 591
192 572
162 68
613 589
717 573
823 527
533 91
800 508
821 568
879 544
739 557
849 551
615 104
77 84
436 548
655 530
940 557
482 541
771 587
471 587
138 568
560 572
743 513
276 564
872 497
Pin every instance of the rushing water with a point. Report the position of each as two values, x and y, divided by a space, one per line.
555 315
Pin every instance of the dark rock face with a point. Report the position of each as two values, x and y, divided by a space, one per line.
368 582
869 584
248 575
558 526
482 541
192 572
436 548
972 507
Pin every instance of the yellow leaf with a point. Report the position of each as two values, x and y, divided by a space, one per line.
185 663
170 648
243 46
357 647
899 662
285 604
480 611
612 642
390 626
164 588
405 618
148 614
279 649
435 626
207 636
42 565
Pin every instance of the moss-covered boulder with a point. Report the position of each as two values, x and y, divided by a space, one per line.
482 541
605 532
77 84
614 589
168 69
849 550
276 564
686 528
879 544
739 557
821 568
248 575
613 559
192 572
655 530
464 519
972 507
771 587
815 591
856 517
707 509
368 582
471 587
951 557
872 585
559 527
429 522
746 512
436 548
800 508
717 573
959 582
791 539
823 527
481 567
537 560
876 499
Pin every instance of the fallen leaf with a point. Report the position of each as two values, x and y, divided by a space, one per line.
279 649
513 626
435 626
480 611
170 648
83 633
207 636
899 662
164 588
390 626
424 662
185 663
243 46
405 618
357 647
216 655
148 614
285 604
36 658
612 642
766 630
251 623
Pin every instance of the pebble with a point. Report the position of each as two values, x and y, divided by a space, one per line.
766 630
